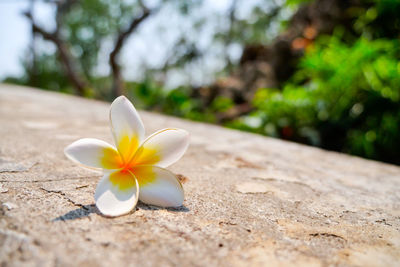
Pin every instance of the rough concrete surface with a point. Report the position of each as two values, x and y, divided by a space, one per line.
249 200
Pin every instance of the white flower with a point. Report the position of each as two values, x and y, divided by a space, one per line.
136 168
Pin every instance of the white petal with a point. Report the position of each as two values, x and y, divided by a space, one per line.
158 186
162 148
93 153
126 126
113 197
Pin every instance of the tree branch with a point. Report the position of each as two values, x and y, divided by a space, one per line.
63 6
118 87
229 36
65 57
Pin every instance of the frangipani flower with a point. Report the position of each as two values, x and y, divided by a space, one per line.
135 169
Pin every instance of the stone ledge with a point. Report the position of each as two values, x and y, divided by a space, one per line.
249 200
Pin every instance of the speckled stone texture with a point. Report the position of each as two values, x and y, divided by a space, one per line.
249 200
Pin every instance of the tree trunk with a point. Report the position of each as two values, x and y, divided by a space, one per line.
118 84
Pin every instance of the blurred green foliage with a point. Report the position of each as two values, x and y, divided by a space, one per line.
343 97
177 102
88 25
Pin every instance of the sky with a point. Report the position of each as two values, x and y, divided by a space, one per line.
14 34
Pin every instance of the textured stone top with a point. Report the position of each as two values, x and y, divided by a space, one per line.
249 200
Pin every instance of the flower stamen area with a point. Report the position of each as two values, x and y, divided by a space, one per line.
123 179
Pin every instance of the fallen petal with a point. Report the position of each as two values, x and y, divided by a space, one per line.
126 126
162 148
159 186
117 193
93 153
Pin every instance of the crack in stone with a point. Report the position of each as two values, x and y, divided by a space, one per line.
82 186
234 224
65 197
327 235
48 180
383 221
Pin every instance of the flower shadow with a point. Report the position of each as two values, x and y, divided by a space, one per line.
86 210
143 206
79 213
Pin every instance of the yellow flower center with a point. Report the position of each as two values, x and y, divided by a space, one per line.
144 174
